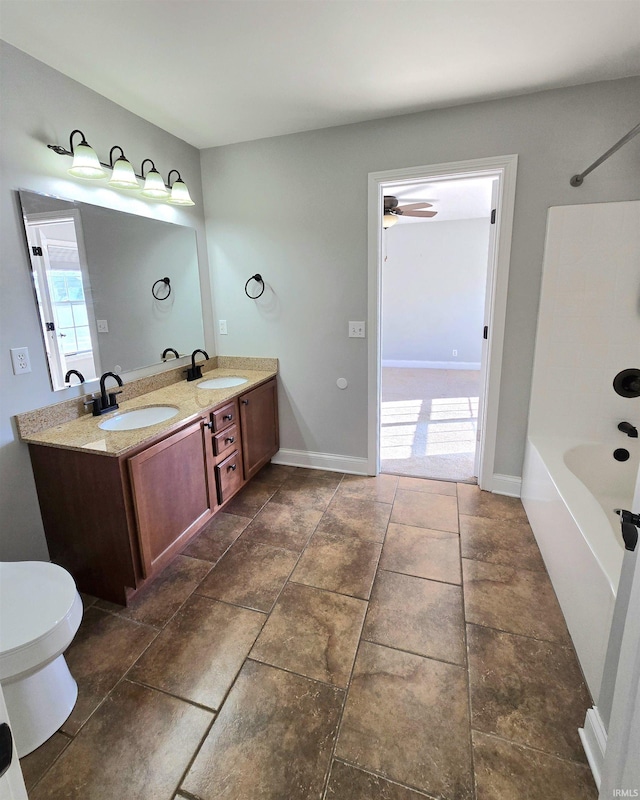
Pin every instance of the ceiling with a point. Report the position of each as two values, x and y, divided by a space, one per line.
214 73
452 198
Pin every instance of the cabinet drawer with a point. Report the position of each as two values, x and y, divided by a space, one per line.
225 416
225 441
229 476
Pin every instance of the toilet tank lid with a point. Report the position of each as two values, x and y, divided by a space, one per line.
34 597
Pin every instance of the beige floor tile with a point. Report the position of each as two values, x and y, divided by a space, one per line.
343 564
250 575
505 771
406 717
39 761
283 526
381 487
251 499
137 746
474 502
156 603
422 552
273 474
527 691
418 615
312 632
272 739
350 516
200 652
508 542
349 783
309 494
104 648
426 485
516 600
425 510
217 537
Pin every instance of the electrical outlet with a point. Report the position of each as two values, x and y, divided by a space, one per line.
102 326
20 360
357 330
222 326
455 352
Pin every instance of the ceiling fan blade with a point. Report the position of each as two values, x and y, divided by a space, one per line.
412 206
419 213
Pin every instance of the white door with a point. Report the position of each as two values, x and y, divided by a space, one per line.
621 771
491 256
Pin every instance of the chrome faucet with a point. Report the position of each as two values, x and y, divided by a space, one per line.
67 377
629 429
195 370
106 402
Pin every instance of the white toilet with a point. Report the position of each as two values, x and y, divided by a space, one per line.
40 612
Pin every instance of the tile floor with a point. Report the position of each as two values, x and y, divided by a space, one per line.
333 637
428 422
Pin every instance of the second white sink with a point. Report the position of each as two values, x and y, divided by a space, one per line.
138 418
221 383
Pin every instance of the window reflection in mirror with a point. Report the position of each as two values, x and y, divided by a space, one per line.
93 270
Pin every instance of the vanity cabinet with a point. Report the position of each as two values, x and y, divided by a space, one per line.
259 424
173 493
114 522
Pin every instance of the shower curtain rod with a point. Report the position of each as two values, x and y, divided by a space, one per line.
578 179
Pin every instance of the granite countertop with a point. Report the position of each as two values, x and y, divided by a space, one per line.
84 434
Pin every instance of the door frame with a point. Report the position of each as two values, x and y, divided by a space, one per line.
504 168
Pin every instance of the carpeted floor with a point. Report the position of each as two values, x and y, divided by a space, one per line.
428 422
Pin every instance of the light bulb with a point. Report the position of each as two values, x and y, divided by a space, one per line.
180 195
123 176
86 163
388 220
154 185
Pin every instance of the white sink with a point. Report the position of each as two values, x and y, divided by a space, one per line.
138 418
221 383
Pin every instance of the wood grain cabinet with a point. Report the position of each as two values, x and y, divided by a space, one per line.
259 425
116 522
173 493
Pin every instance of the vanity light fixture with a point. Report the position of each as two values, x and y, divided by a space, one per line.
179 193
123 176
85 161
153 184
87 165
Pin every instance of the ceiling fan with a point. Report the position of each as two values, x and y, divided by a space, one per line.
392 210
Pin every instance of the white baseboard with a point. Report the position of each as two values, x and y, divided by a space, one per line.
511 485
328 461
431 364
594 741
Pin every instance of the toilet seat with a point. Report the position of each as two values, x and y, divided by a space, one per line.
40 611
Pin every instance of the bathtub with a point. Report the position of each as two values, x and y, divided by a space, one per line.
569 491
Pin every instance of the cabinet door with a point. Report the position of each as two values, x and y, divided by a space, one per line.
259 426
173 492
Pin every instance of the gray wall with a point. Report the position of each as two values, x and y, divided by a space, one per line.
433 287
41 106
294 208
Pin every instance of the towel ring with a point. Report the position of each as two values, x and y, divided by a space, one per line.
166 283
258 278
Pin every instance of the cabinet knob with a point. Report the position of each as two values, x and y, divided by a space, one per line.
245 402
232 467
209 425
228 416
230 439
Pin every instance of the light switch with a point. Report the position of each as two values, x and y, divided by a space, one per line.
357 330
102 326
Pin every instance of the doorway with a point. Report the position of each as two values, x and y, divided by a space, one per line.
434 267
474 394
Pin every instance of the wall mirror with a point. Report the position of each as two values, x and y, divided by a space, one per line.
94 270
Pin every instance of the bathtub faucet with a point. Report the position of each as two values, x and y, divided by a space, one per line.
629 429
